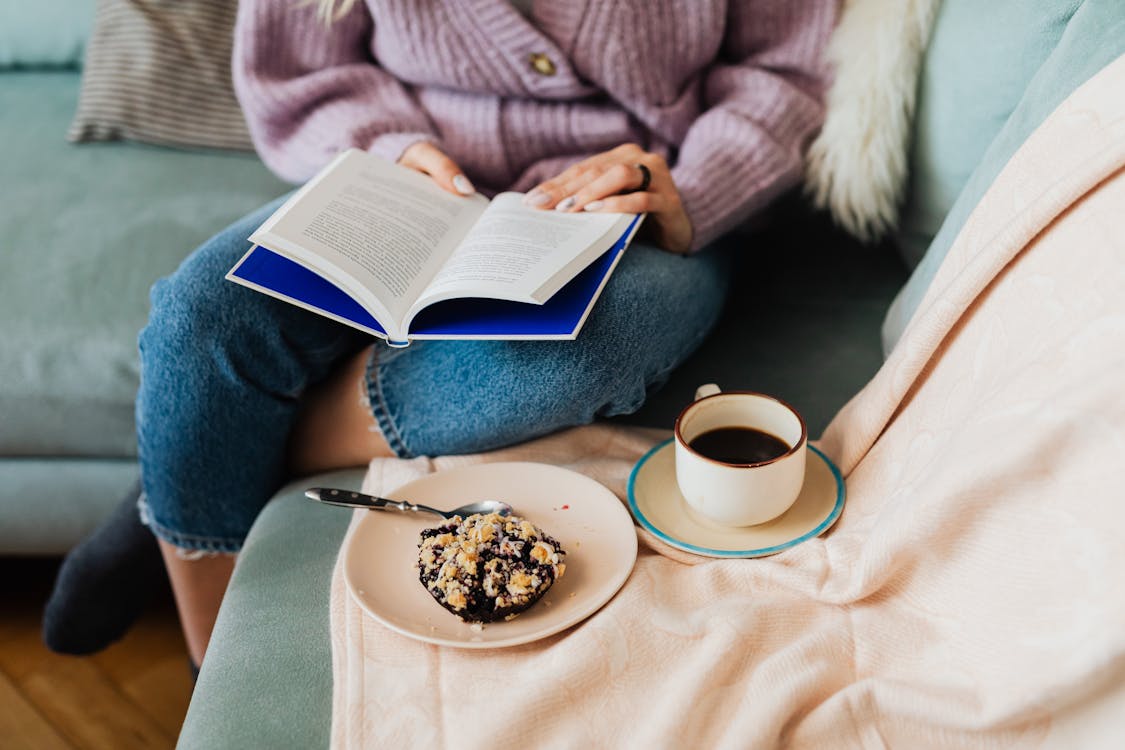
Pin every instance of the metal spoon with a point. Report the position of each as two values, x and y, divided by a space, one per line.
350 499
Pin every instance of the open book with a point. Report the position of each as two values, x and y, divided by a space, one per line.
382 248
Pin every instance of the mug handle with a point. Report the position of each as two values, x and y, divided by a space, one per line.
707 389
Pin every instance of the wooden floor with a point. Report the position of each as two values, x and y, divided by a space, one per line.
132 695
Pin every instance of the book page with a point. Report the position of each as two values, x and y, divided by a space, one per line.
384 227
514 252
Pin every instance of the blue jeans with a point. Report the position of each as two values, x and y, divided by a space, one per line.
223 369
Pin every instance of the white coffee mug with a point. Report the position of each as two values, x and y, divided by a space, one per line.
740 494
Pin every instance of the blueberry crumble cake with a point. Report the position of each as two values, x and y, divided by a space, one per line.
486 568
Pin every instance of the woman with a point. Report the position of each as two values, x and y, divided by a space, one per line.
694 111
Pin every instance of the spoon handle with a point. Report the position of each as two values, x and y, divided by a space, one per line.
350 499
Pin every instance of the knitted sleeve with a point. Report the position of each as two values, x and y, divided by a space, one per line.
310 90
763 105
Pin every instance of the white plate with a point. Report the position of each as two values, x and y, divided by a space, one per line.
656 502
587 519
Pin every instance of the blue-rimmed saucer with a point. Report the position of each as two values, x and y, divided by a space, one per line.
655 501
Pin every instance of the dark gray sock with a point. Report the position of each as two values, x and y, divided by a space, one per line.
104 583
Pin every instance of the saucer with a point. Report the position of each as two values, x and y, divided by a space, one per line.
655 501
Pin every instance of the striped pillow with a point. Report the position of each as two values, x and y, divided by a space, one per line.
158 71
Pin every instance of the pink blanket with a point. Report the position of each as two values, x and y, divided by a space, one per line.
969 596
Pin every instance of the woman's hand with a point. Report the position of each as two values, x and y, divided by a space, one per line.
610 181
428 159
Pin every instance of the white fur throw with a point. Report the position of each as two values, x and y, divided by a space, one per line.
857 166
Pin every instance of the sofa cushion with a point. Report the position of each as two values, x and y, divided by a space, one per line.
44 33
84 232
1093 37
159 72
979 61
47 505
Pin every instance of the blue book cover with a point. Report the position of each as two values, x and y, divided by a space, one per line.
383 248
560 317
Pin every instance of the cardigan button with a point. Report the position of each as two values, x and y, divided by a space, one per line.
541 64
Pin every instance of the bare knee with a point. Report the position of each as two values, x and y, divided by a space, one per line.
335 428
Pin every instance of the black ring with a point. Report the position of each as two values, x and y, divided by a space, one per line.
646 179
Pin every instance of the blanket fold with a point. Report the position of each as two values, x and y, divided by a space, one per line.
968 596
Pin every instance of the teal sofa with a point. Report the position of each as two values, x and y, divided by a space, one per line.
84 232
86 229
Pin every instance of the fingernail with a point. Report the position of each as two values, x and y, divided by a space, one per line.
593 205
536 198
565 204
463 186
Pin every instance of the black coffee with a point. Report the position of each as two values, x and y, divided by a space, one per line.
738 445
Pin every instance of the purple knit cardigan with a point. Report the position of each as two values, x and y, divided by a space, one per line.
730 91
